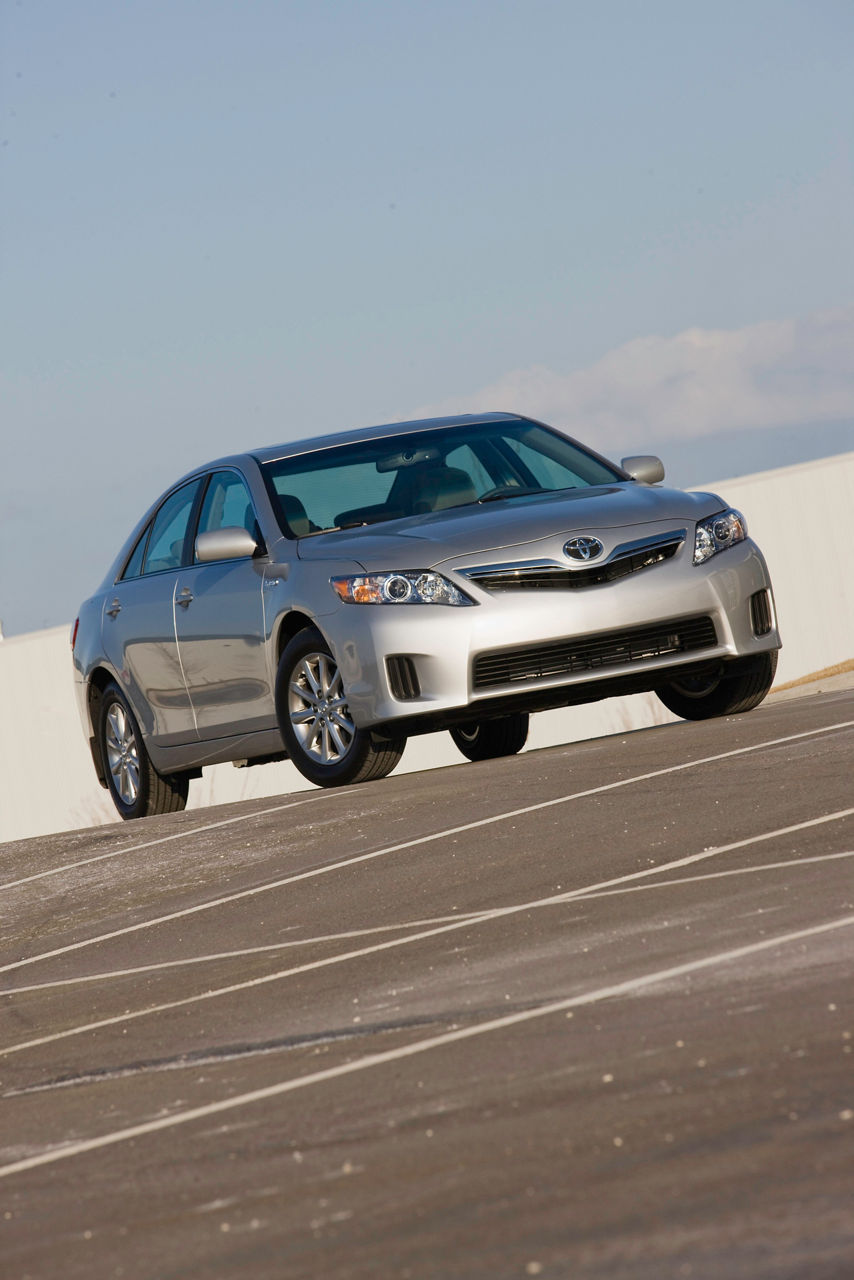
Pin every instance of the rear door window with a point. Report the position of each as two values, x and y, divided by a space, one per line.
133 568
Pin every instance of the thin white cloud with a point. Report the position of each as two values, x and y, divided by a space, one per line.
698 383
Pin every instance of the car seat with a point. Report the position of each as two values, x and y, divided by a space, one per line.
295 515
431 487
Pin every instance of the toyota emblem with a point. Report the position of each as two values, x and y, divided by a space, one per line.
583 548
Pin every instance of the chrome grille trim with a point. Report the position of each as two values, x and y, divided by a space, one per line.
539 575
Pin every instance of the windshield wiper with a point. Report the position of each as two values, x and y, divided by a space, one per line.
315 533
508 491
337 528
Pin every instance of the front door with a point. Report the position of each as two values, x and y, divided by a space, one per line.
219 619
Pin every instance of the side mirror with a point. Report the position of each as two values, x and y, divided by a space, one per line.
644 467
231 543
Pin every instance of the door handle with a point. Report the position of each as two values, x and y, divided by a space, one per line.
185 597
114 609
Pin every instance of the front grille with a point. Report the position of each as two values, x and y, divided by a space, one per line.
760 613
402 677
590 653
555 577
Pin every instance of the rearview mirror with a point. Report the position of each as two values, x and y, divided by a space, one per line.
644 467
408 458
231 543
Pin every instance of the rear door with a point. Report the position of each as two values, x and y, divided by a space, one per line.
138 626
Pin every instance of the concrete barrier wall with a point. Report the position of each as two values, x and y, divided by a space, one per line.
798 515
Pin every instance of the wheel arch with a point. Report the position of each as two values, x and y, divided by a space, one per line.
96 684
309 707
289 625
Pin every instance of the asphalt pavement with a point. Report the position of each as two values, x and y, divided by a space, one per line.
586 1012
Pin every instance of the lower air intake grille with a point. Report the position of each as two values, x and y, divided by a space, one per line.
589 653
760 613
402 677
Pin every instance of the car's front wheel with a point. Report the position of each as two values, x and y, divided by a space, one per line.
701 697
489 739
317 728
136 788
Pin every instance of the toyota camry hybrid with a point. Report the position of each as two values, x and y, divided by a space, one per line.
329 598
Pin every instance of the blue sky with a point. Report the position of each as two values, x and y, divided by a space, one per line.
228 224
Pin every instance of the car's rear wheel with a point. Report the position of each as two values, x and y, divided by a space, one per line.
489 739
317 728
136 788
701 697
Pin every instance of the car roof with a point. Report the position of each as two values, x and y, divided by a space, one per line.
379 432
313 443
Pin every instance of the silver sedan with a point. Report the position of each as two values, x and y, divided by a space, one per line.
327 599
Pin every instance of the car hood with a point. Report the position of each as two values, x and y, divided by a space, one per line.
427 540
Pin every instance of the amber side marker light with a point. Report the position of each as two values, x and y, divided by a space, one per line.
74 633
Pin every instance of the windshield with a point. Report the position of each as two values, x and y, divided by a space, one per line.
408 475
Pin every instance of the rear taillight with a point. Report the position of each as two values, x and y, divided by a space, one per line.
74 633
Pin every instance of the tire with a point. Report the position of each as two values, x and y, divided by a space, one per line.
489 739
315 723
703 697
136 788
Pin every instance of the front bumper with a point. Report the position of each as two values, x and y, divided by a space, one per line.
443 644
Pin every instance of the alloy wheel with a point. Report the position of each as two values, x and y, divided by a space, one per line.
699 686
122 753
318 710
468 735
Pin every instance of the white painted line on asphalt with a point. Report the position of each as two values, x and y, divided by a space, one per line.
626 988
789 864
357 859
260 813
246 952
178 835
243 952
498 913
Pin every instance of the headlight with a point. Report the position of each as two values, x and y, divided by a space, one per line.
405 587
717 533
